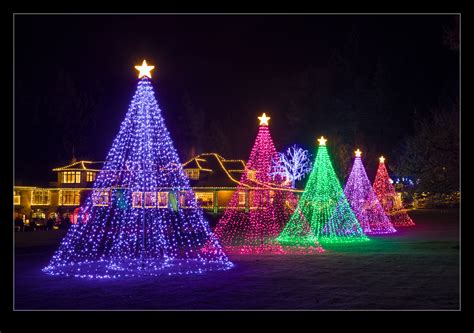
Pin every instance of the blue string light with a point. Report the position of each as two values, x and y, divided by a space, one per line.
129 225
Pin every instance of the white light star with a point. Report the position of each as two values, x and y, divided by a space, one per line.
322 141
264 119
144 70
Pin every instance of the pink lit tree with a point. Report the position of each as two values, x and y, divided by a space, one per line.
261 204
391 202
364 202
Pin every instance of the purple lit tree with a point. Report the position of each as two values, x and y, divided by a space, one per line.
292 165
364 202
142 217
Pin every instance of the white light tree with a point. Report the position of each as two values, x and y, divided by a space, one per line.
292 165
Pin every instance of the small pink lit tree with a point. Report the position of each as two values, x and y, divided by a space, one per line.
391 202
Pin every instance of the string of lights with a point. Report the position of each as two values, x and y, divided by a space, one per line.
391 202
364 202
133 228
255 231
323 207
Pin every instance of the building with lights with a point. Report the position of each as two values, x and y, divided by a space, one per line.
62 197
212 177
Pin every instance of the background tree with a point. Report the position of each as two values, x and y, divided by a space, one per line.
431 156
197 131
451 35
69 107
195 120
217 140
351 100
292 165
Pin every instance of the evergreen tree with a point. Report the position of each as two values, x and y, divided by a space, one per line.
391 202
324 207
364 202
261 204
142 217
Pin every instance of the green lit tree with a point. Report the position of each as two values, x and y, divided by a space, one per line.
323 207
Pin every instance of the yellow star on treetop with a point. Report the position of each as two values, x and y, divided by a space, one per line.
322 141
144 70
358 152
382 159
264 119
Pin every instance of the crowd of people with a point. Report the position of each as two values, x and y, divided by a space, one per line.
35 224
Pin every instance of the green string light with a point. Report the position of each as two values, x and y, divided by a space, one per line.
323 208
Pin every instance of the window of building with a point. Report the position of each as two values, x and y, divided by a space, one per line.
137 199
71 177
398 200
256 198
16 197
69 197
251 174
162 199
205 199
259 197
186 198
150 199
241 198
101 198
90 176
40 197
192 173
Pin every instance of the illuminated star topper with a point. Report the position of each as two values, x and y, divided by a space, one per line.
144 69
358 152
264 119
382 159
322 141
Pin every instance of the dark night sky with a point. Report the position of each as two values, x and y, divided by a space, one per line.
233 67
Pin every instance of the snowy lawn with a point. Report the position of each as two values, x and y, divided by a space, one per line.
417 268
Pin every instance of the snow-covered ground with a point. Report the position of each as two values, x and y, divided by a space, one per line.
418 268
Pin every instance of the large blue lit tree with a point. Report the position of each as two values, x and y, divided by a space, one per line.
142 217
